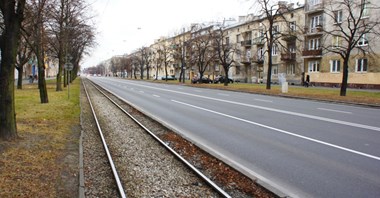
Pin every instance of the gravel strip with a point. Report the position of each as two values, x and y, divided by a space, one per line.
98 180
145 167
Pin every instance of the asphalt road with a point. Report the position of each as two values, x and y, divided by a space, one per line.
300 148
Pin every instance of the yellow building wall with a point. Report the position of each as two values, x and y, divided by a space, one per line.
353 78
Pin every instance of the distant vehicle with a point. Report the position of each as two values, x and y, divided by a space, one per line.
171 77
222 79
204 80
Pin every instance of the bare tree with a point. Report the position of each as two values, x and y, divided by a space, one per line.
164 57
147 56
37 11
202 51
12 15
354 32
180 47
23 56
69 35
224 49
271 12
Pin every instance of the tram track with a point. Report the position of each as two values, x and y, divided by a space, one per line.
174 143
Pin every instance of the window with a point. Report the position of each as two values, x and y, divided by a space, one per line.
335 66
314 44
276 29
336 41
227 40
361 65
274 50
291 69
313 66
363 41
274 70
338 16
248 54
292 26
292 48
238 38
315 22
364 8
217 67
314 2
260 53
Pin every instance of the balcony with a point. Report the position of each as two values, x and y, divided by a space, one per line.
246 43
245 60
314 31
317 52
314 8
288 56
289 36
258 41
258 60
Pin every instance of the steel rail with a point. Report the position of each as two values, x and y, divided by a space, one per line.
114 171
189 165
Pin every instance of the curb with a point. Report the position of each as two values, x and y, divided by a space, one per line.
81 172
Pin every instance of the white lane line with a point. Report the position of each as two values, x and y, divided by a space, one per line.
261 100
333 110
222 94
283 131
363 126
157 96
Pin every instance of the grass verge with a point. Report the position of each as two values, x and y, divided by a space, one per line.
40 162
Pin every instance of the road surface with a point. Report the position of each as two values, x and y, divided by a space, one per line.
298 147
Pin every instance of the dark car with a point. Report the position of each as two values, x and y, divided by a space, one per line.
222 79
171 77
204 80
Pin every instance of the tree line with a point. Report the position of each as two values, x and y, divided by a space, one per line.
39 31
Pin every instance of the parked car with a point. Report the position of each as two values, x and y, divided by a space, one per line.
171 77
222 79
204 80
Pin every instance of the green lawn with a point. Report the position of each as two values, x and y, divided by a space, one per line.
31 166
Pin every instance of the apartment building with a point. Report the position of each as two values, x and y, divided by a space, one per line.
249 34
328 26
306 37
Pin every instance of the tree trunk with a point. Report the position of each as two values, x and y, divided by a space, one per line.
166 72
19 78
9 41
42 82
226 81
343 88
269 75
59 74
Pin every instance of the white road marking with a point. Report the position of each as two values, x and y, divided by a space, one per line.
157 96
261 100
283 131
333 110
270 109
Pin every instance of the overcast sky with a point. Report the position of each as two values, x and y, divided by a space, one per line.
126 25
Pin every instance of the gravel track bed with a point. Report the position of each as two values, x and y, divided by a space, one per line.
98 180
145 167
